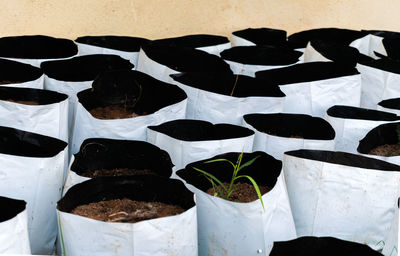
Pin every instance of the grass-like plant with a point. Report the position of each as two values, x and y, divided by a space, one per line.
226 192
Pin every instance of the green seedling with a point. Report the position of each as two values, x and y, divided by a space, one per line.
226 192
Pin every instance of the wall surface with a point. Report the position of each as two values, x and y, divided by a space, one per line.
165 18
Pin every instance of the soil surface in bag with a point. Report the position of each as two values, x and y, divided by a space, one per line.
390 103
132 91
262 55
349 112
264 170
263 36
317 246
185 59
16 72
198 130
382 140
30 96
229 84
36 47
306 72
84 68
125 210
335 35
292 126
108 157
122 194
343 158
192 41
242 192
11 208
121 43
27 144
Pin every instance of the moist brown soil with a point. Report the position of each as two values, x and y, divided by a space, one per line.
112 112
9 82
126 210
386 150
25 102
116 172
242 192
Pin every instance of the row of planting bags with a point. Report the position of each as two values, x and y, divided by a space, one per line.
315 193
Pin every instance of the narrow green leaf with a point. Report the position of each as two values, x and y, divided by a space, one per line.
257 189
211 176
220 160
248 163
216 188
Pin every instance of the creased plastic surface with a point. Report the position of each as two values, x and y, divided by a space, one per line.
215 49
377 85
315 97
218 108
174 235
237 229
86 49
250 70
311 55
38 181
35 84
14 237
87 126
50 119
370 44
239 41
277 145
35 62
346 202
392 241
185 152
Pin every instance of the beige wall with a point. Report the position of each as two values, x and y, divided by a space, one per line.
164 18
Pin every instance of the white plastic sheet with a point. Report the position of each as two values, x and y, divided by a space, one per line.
350 203
35 84
38 181
86 126
315 97
14 237
35 62
239 41
312 55
390 110
377 85
370 44
237 229
391 243
218 108
250 70
215 49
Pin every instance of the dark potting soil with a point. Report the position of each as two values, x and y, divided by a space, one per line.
386 150
9 82
126 210
242 192
116 172
112 112
26 102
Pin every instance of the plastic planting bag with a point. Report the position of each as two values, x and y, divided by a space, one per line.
390 41
375 143
31 169
211 44
35 49
392 241
258 36
122 104
351 124
106 157
17 74
14 237
160 61
224 97
278 133
318 50
124 46
246 60
312 88
34 110
172 235
370 45
306 246
192 140
237 229
334 35
379 80
390 105
339 194
77 74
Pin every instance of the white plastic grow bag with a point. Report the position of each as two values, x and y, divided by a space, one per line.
390 105
312 55
370 44
39 182
248 69
72 178
35 84
391 244
215 49
14 238
377 85
184 152
86 49
347 202
87 126
240 41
